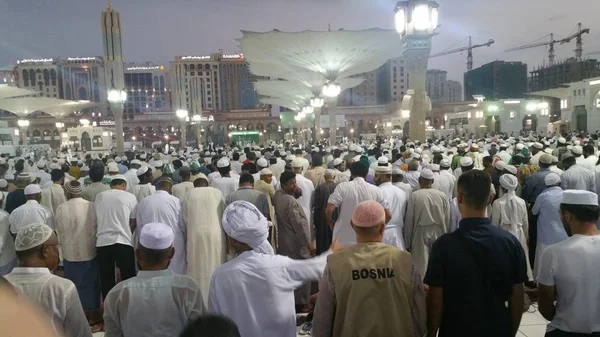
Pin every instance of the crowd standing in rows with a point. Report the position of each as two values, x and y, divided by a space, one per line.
389 237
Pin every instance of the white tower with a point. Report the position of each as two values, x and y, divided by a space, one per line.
113 49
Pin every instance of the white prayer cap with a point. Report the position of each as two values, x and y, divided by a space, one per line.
551 179
519 146
245 223
157 236
141 170
137 162
427 174
509 182
32 189
54 166
397 171
124 158
143 156
500 165
158 163
434 167
466 161
562 140
113 168
265 172
436 149
383 160
119 177
445 163
31 236
356 158
289 157
383 169
368 213
9 177
85 168
538 146
3 183
223 162
548 150
118 159
337 161
262 162
41 163
579 197
577 149
297 162
352 148
511 168
545 159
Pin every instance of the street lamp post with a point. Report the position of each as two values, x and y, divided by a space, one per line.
183 118
117 98
416 21
23 125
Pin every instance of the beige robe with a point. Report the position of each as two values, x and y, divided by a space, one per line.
52 197
206 244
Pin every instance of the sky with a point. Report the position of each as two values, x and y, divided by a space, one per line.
159 30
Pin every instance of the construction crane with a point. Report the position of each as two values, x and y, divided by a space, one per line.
469 50
579 43
550 43
578 50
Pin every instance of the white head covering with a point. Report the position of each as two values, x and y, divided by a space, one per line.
32 189
387 169
113 168
32 236
262 162
337 161
223 162
156 236
427 174
265 172
508 214
3 183
580 197
551 179
143 169
445 163
466 161
245 223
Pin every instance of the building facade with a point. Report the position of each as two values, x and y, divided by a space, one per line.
568 71
497 80
43 75
148 89
452 91
83 79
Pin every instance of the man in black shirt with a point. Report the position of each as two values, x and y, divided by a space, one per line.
473 271
17 198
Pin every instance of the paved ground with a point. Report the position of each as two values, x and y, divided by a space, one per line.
532 325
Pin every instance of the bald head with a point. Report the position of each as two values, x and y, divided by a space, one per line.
413 165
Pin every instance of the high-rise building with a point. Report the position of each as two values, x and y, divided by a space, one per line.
83 79
497 80
452 91
237 83
42 75
113 49
385 85
148 89
568 71
7 75
435 81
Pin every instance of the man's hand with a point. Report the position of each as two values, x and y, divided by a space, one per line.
312 250
336 246
298 192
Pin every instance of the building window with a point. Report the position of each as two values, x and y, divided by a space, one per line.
575 93
402 81
209 105
208 86
193 73
579 92
209 99
583 92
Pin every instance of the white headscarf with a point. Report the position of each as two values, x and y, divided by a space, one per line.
509 213
244 222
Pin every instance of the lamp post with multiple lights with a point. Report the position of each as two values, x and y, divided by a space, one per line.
416 21
117 99
23 125
331 91
317 103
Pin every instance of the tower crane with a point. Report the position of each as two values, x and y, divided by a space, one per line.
578 50
547 43
469 50
578 38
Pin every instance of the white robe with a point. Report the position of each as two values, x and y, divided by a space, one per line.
181 189
305 201
202 212
397 200
52 197
141 191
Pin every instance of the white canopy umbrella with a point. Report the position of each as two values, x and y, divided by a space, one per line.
7 91
23 107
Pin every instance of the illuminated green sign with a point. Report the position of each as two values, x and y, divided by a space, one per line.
244 133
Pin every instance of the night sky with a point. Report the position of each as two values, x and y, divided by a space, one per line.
158 31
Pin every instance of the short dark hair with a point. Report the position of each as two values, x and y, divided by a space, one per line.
487 161
286 176
200 182
164 183
588 149
19 166
96 172
211 325
475 187
251 156
298 151
154 256
583 213
224 170
246 178
236 156
56 175
358 169
250 167
177 163
437 158
317 160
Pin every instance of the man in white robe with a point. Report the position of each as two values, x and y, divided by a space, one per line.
510 213
181 189
256 288
226 183
427 218
206 245
54 196
398 181
131 174
397 200
412 176
307 187
144 188
164 208
442 182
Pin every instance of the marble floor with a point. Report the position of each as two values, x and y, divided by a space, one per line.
532 325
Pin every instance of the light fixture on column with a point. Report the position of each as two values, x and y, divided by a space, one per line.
416 17
331 90
317 102
84 122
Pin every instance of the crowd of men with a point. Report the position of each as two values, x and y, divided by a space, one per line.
447 237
